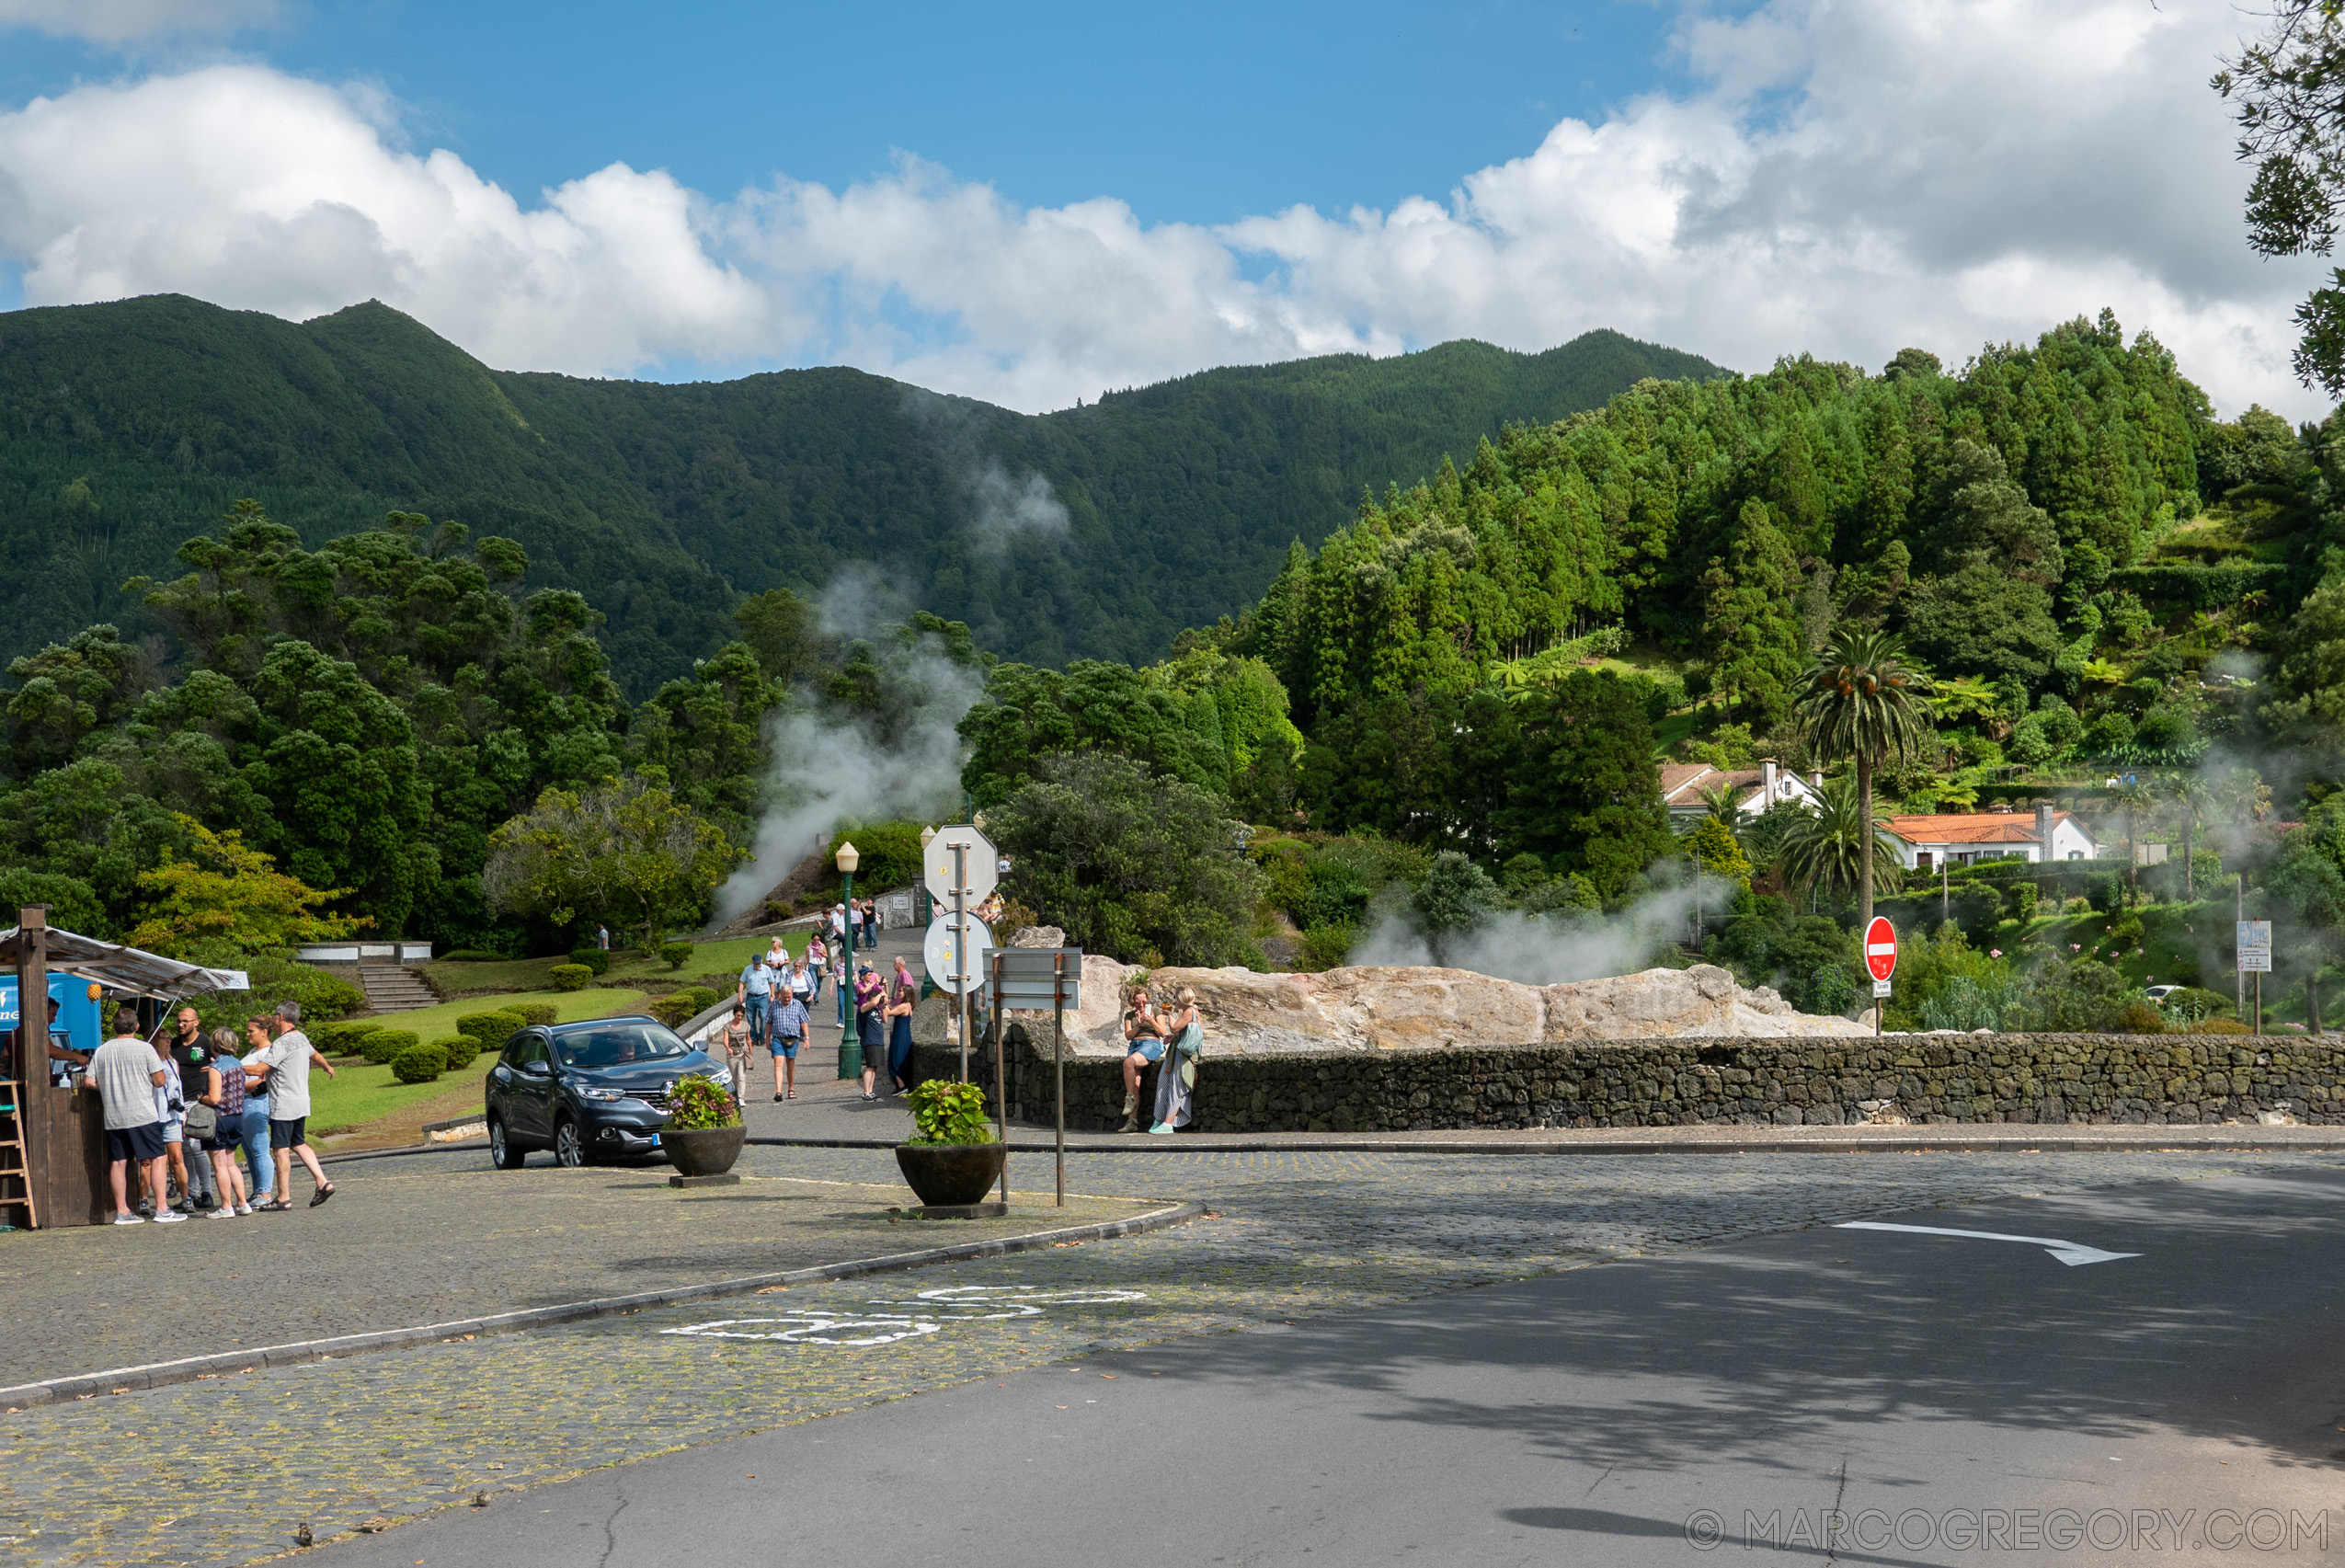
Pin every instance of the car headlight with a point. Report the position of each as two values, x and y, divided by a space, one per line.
602 1094
722 1078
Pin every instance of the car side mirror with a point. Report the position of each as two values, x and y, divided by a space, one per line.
536 1070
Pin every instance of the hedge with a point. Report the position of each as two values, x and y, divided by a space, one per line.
386 1045
457 1050
569 977
594 959
2197 588
342 1038
418 1063
539 1014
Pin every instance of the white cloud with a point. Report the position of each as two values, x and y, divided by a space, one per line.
125 21
1853 176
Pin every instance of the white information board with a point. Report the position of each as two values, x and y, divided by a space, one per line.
2255 947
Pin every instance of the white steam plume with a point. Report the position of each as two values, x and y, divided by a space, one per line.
826 770
1545 950
1010 510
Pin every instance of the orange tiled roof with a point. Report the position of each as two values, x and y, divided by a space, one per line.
1971 828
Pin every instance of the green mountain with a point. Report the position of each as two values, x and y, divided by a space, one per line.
127 428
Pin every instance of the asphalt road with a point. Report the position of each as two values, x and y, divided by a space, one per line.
1832 1395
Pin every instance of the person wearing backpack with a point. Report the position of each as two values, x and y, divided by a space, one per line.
1177 1078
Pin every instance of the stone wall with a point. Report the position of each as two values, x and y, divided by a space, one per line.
2159 1079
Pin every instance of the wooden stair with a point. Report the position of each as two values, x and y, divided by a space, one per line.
393 988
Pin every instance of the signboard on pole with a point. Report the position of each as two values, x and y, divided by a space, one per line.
2255 947
1028 976
955 952
977 863
1881 948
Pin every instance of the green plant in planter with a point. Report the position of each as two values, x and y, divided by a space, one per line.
946 1112
569 977
696 1103
458 1049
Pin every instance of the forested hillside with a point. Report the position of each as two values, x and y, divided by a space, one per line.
126 427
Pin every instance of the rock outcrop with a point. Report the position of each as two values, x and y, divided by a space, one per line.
1385 1008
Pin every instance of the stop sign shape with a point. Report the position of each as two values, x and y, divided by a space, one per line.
1881 948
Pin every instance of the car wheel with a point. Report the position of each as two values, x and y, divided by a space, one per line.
570 1148
503 1153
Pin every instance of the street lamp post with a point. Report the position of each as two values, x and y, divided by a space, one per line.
851 1049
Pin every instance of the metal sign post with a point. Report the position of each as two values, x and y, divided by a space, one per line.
961 949
1000 1081
1058 1060
1880 959
2254 947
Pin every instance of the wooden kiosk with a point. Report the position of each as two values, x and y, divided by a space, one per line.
52 1138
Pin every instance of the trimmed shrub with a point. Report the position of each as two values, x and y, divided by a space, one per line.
570 977
2141 1018
418 1063
473 955
491 1029
457 1050
342 1039
2220 1026
778 909
675 954
678 1006
537 1013
594 959
385 1044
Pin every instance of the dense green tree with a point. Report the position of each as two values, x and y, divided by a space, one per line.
626 851
1126 861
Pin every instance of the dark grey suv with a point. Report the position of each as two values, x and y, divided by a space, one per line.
588 1092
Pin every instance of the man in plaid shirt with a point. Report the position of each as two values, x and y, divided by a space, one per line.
789 1021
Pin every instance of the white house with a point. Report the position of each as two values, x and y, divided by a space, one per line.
1927 843
1683 784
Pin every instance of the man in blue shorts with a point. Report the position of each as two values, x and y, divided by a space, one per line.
790 1020
752 993
125 1073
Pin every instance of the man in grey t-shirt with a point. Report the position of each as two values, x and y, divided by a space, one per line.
124 1074
284 1067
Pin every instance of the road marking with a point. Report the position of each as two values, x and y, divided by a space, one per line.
931 1311
2070 1252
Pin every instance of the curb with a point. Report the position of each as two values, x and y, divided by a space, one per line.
1908 1144
161 1374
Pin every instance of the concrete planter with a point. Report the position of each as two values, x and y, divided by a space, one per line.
950 1174
704 1152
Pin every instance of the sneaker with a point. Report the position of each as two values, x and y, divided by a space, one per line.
223 1214
244 1208
146 1207
128 1220
170 1217
1163 1127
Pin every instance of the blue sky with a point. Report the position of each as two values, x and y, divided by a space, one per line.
1030 204
1205 111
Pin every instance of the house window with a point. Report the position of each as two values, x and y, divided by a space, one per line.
2076 854
1922 861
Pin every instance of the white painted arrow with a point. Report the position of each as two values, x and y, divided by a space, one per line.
2070 1252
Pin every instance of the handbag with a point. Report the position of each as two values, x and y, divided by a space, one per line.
204 1121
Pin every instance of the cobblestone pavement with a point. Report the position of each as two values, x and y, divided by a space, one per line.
432 1238
223 1471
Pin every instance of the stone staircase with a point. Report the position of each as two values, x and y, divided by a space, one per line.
393 988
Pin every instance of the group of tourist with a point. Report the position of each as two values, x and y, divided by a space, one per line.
1172 1041
773 1003
178 1117
863 915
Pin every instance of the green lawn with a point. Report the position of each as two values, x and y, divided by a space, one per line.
365 1093
651 974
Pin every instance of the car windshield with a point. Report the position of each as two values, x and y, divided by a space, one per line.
618 1045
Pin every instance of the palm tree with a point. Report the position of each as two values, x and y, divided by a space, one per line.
2194 795
1832 851
1717 805
1864 700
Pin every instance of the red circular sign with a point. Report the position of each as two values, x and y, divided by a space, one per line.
1881 948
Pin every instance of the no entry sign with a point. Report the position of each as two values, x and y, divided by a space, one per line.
1881 948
